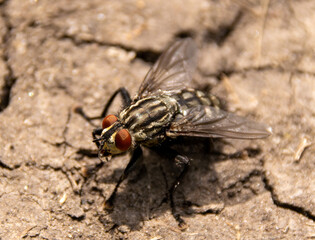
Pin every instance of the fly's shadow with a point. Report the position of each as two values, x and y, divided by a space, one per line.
145 193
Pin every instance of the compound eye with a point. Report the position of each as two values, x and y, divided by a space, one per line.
123 140
108 121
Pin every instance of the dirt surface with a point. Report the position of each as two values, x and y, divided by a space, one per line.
257 56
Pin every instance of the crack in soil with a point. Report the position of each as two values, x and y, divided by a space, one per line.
5 166
223 32
150 56
284 205
147 55
244 180
64 132
37 234
268 67
76 218
66 172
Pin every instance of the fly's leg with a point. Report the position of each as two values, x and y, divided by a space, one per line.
126 102
125 96
185 161
136 155
97 132
88 152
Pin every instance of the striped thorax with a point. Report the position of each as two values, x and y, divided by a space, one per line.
147 118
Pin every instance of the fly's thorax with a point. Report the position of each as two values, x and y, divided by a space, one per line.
147 118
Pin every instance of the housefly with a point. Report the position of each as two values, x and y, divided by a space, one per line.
166 107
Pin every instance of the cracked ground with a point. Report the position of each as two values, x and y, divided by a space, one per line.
258 57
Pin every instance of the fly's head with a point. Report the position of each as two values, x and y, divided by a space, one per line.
115 139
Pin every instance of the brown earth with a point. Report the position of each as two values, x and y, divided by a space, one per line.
257 56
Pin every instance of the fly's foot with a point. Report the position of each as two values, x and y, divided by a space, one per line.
181 223
79 110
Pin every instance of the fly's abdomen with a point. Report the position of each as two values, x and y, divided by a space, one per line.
189 98
147 118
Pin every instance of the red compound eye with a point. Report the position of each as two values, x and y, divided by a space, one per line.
108 121
123 140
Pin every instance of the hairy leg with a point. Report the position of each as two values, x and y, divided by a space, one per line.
136 155
126 101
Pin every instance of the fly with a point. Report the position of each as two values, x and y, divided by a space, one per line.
167 107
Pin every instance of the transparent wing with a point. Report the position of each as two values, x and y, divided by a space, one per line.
173 70
206 121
